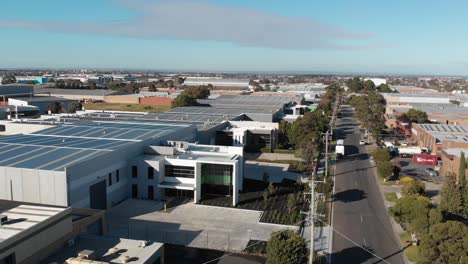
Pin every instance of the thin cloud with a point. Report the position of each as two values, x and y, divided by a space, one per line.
201 21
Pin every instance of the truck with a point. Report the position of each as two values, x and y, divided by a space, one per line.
340 148
409 151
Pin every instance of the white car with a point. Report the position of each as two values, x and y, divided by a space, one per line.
362 142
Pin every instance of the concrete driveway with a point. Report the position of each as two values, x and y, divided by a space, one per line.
189 224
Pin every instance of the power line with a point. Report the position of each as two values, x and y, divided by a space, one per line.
352 241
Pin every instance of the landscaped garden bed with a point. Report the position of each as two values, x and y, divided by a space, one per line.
281 203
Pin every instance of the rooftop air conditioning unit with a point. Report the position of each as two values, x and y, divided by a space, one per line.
87 254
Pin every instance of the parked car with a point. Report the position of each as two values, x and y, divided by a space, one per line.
391 178
431 172
362 142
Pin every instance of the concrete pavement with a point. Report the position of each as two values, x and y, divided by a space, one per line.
363 231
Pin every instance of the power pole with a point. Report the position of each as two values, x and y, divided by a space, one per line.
312 224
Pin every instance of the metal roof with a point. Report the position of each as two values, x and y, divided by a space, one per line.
43 99
83 92
61 146
248 100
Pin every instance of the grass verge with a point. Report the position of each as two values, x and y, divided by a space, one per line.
412 252
391 196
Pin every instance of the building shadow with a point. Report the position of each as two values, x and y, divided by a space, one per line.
351 195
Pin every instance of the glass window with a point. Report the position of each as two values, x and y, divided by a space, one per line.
109 179
134 171
179 171
117 175
150 173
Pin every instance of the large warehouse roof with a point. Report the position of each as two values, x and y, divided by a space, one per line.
110 130
250 101
64 145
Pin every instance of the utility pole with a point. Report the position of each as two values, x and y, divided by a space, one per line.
312 224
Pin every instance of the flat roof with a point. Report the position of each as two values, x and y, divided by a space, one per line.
456 151
61 146
250 100
26 218
84 92
443 128
43 99
101 246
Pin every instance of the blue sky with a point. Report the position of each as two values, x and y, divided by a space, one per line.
400 36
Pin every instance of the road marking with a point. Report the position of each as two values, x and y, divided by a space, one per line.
356 183
361 219
365 244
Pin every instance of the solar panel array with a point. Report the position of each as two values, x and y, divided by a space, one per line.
58 147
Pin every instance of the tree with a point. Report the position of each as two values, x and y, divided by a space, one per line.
200 92
9 79
283 140
152 87
417 116
385 169
445 243
183 100
381 155
92 85
412 210
413 188
286 247
369 85
75 106
291 202
55 107
355 84
384 88
451 197
308 154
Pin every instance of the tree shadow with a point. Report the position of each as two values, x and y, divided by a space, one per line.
351 195
432 193
391 255
352 255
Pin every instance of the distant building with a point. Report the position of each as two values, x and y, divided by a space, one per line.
218 82
31 79
41 102
376 81
14 90
77 94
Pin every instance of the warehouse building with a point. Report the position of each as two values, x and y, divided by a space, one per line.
77 94
84 164
41 102
440 136
218 82
451 161
14 90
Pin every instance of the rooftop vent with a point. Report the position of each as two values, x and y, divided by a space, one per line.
86 254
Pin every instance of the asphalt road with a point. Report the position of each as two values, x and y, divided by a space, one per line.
359 212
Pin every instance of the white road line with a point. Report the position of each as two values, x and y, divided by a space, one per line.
356 183
361 219
365 244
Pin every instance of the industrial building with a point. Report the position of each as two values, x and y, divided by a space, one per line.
41 102
440 136
412 98
77 94
33 233
252 101
218 82
451 161
14 90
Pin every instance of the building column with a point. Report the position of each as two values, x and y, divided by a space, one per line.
235 183
197 191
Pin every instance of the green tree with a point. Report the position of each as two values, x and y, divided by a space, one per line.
384 88
75 106
381 155
435 216
445 243
355 84
385 169
417 116
183 100
451 197
55 107
291 202
200 92
369 85
413 188
286 247
412 210
9 79
283 140
152 87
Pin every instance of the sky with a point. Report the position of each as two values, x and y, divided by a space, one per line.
333 36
